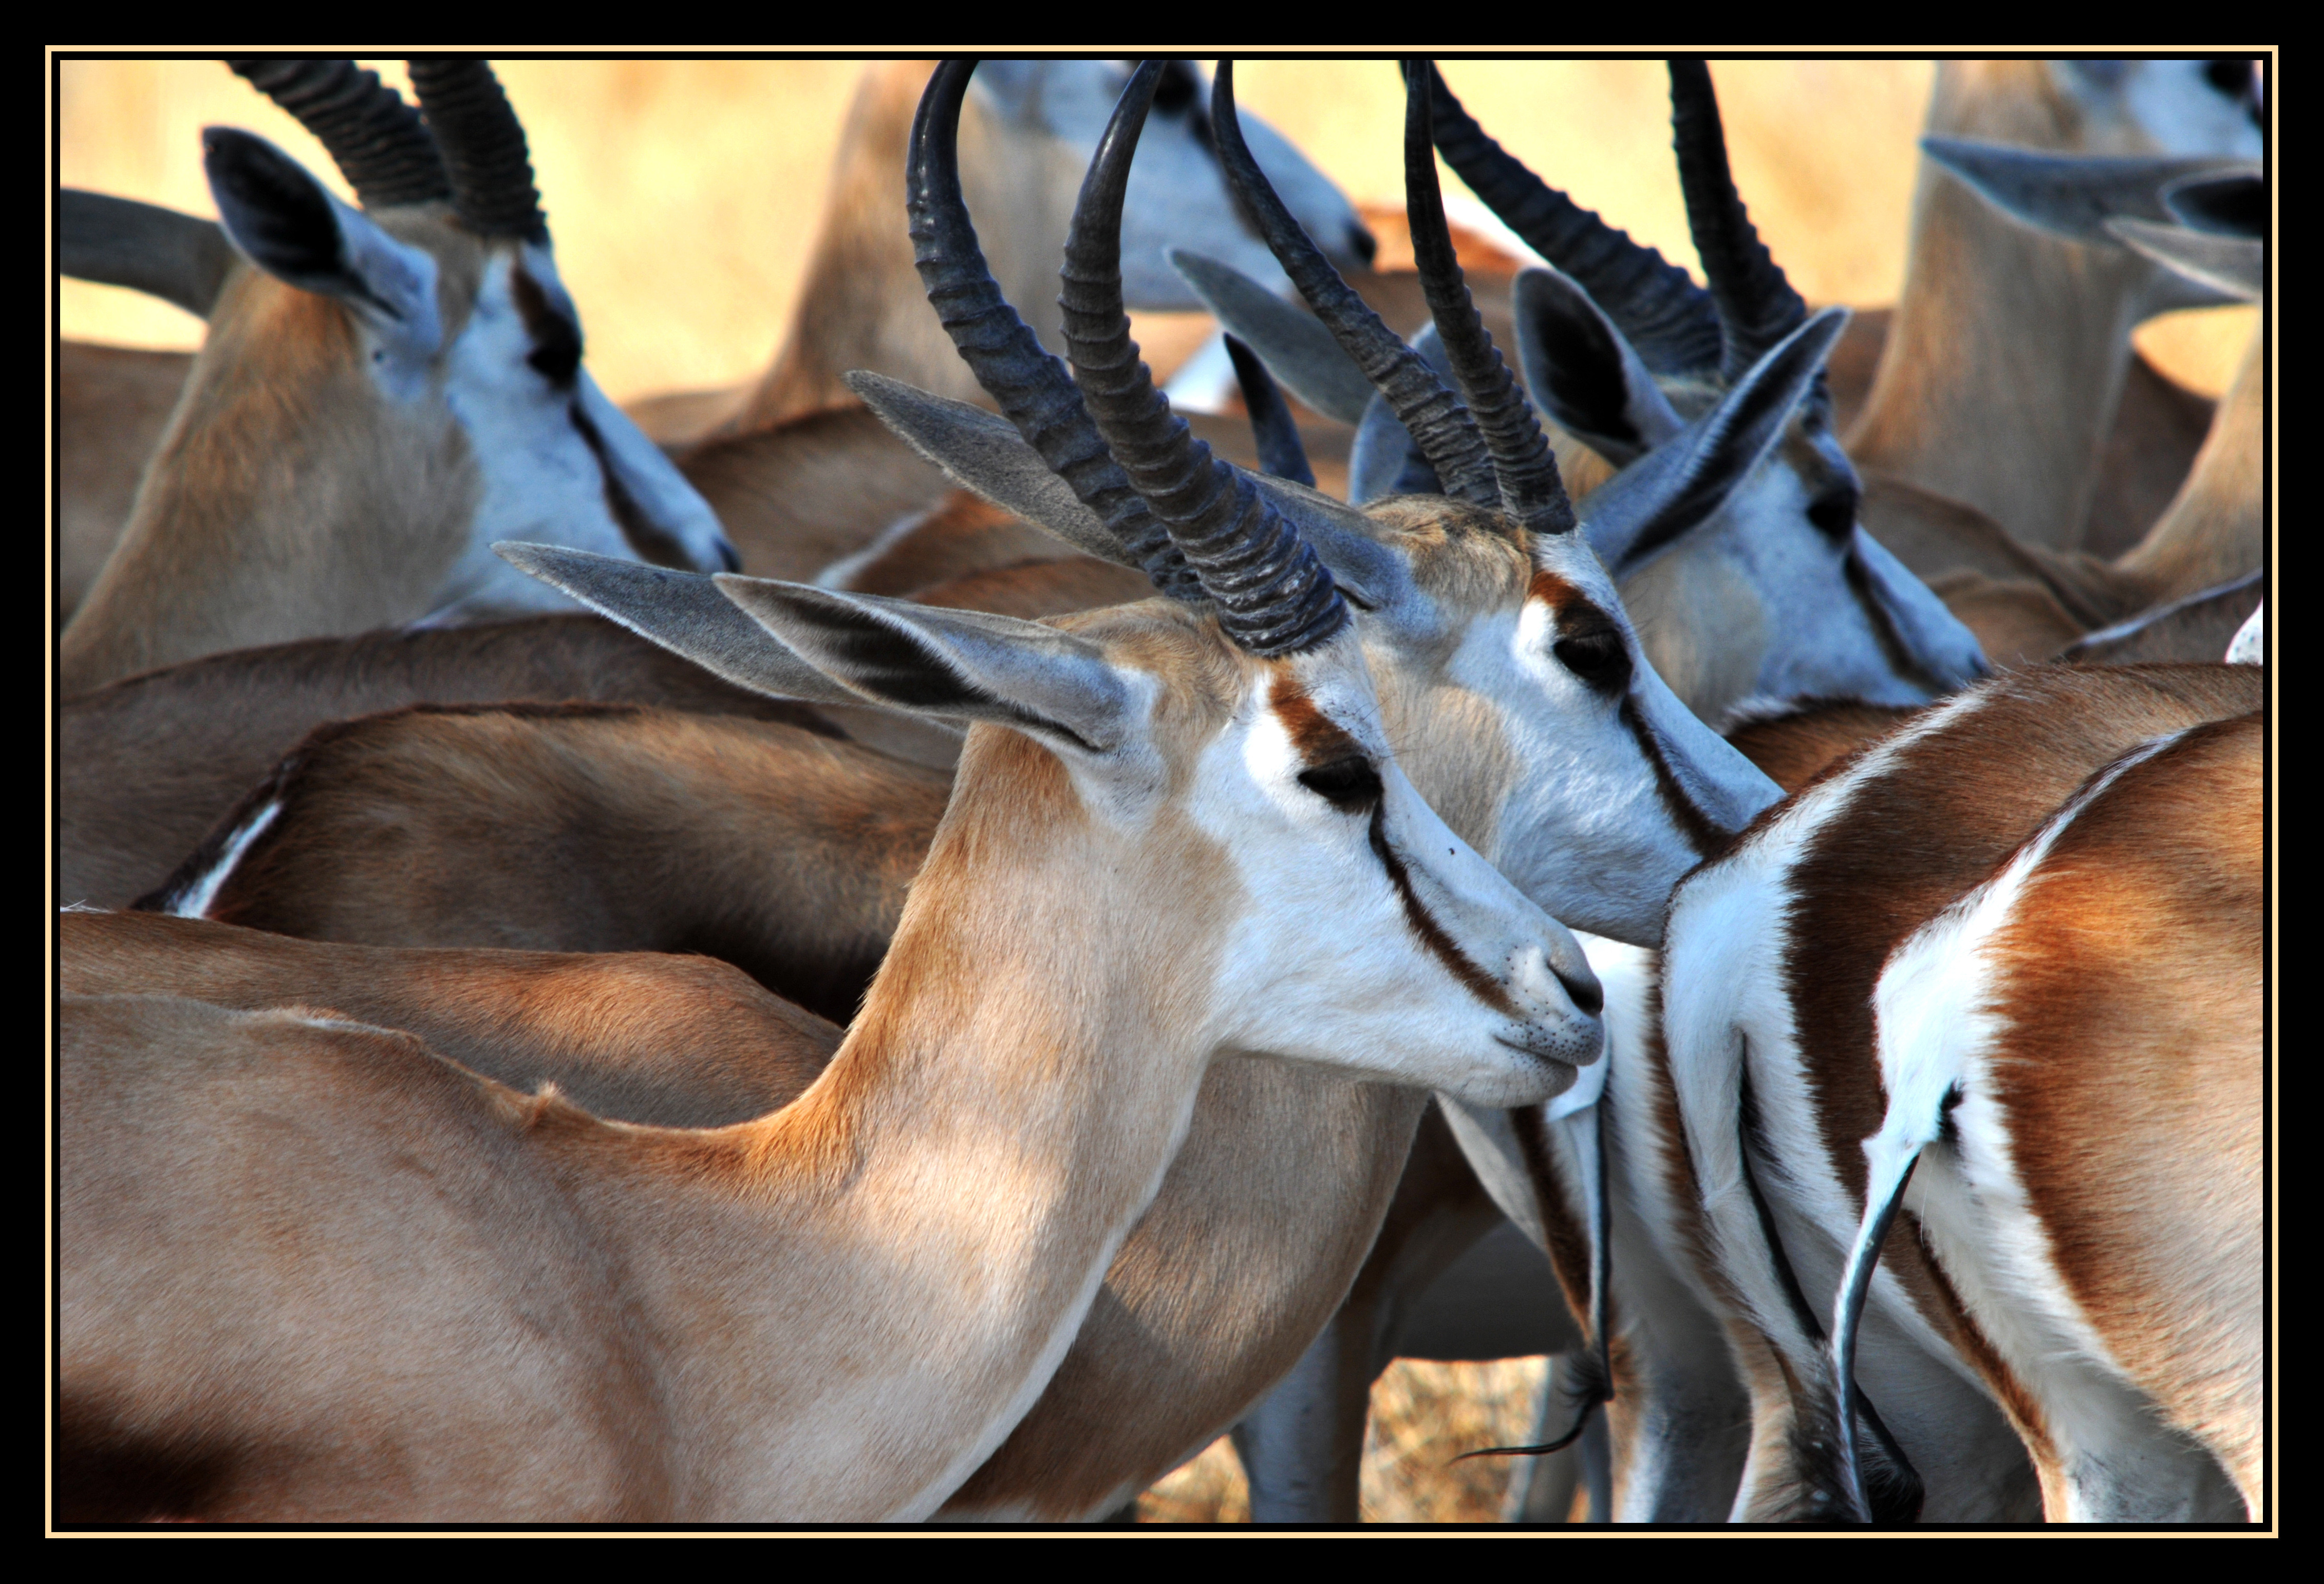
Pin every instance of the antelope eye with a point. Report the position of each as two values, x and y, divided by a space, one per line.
1351 783
556 359
1834 511
1597 657
2232 78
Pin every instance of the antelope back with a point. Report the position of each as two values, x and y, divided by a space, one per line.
2093 1015
1768 1022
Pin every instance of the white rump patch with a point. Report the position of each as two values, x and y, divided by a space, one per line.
195 903
2249 645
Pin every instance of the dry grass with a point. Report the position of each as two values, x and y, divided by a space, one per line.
1424 1415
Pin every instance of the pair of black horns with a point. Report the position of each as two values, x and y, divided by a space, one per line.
1199 527
1676 327
1483 443
469 149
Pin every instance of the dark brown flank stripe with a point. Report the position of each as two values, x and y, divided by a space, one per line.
1431 934
1939 820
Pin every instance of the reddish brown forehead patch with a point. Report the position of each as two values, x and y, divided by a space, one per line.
1319 738
1554 591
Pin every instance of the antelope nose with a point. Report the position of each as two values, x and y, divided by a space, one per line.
1588 994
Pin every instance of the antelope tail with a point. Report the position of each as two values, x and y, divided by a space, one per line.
1895 1151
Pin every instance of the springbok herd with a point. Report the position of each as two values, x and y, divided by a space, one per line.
878 946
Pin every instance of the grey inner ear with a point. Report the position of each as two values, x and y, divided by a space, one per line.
2233 205
983 452
957 663
684 613
1680 484
1385 460
2235 266
118 242
279 215
1584 372
1293 343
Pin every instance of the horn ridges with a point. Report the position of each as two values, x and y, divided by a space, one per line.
1672 322
1029 385
1274 597
1531 491
1756 305
1427 408
483 145
374 138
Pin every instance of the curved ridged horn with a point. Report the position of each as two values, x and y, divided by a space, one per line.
483 145
1756 305
1281 452
1274 597
1427 407
1031 386
1531 490
1672 322
374 138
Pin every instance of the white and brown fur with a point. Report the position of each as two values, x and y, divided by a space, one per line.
1013 1045
1301 1167
340 457
1771 965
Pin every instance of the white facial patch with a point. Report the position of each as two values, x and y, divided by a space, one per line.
543 482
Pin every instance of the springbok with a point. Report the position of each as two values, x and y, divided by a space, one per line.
2205 227
1778 591
2007 350
1786 970
1509 675
1155 805
381 396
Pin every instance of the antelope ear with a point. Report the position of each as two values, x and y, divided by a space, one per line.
2077 195
983 452
1678 486
118 242
289 225
2233 204
955 665
2234 266
1585 372
1293 343
684 613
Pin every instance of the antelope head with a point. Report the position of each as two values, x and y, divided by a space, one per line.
2209 107
1731 524
1233 729
1177 192
421 350
1507 672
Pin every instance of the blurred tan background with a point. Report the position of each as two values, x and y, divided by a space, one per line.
684 193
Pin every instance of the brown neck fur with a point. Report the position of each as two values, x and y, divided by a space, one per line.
863 305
